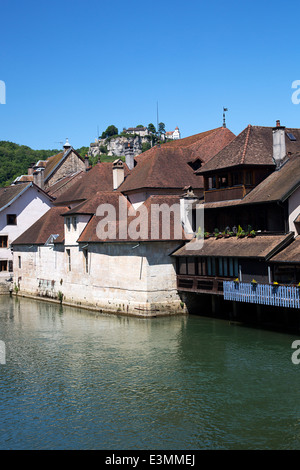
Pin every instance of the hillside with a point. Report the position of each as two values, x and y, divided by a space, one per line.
15 159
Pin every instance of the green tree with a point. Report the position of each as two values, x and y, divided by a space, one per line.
151 128
161 128
140 125
146 146
110 131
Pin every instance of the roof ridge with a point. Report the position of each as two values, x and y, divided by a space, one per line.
246 144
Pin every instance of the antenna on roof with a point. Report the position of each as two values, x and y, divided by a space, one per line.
59 143
224 121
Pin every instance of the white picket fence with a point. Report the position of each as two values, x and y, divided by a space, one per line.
264 294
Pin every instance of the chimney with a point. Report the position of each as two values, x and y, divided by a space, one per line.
30 169
279 148
187 201
38 177
87 163
118 173
129 158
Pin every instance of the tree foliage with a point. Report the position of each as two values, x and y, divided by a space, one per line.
151 128
109 132
161 128
15 160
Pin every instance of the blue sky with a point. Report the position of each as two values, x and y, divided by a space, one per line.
72 66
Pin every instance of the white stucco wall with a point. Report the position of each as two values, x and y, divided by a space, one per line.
29 207
120 278
294 209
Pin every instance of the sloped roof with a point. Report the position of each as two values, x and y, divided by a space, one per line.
253 146
278 185
10 193
50 223
290 254
262 247
152 228
165 166
98 178
64 184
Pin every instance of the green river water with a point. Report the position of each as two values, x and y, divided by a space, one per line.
76 380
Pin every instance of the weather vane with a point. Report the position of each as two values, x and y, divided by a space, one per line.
224 121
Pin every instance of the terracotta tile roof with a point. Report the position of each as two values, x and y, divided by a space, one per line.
262 247
142 218
291 254
253 146
50 223
24 179
166 166
98 178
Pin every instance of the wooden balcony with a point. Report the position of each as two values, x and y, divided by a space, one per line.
200 284
226 194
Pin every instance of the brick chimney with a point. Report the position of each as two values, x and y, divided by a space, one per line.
118 173
129 158
279 148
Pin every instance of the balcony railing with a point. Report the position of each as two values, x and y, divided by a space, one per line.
199 284
264 294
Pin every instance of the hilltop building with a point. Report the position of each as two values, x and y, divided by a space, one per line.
174 135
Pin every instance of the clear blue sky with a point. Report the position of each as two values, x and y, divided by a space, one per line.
71 66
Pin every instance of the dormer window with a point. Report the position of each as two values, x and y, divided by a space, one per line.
68 223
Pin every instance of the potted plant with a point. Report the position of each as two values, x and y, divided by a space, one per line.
240 232
236 282
254 284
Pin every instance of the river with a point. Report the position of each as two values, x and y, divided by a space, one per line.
76 380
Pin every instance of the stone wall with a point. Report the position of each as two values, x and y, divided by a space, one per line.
68 167
130 278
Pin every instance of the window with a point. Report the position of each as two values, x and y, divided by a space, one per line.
19 262
68 222
69 259
249 178
86 260
74 223
236 178
11 219
3 265
10 266
3 241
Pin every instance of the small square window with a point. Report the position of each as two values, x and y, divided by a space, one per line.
11 219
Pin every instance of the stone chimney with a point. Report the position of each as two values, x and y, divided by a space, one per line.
187 200
38 177
118 173
129 158
87 163
279 148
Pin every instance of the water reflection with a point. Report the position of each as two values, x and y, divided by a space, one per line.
74 380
